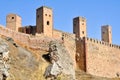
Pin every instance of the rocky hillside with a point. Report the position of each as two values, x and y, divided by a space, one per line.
29 64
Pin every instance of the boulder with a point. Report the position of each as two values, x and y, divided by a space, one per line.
60 61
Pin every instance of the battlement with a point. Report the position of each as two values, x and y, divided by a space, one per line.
90 55
102 42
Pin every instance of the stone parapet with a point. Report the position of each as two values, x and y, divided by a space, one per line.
102 42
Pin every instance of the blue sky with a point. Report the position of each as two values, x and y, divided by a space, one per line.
97 13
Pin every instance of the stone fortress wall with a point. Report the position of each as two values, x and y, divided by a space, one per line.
40 41
68 40
80 54
90 55
17 36
98 57
102 58
26 39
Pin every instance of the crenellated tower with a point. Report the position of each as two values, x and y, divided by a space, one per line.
44 21
79 27
106 33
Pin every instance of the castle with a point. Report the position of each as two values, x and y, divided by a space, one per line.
100 58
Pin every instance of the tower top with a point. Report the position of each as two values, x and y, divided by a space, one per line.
80 18
13 14
106 26
44 7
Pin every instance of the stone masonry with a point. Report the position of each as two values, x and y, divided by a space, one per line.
102 58
90 55
13 22
106 33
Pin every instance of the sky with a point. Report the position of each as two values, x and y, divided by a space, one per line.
97 13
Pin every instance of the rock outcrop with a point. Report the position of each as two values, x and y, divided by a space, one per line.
4 60
21 63
61 62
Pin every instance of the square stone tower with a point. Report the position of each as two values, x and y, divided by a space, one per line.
106 32
79 27
13 22
44 21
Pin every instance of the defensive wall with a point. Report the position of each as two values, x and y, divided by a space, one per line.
80 54
25 39
68 40
40 41
18 37
57 34
102 58
99 58
90 55
70 44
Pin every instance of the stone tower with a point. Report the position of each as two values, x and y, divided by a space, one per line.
79 27
106 32
44 21
13 22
